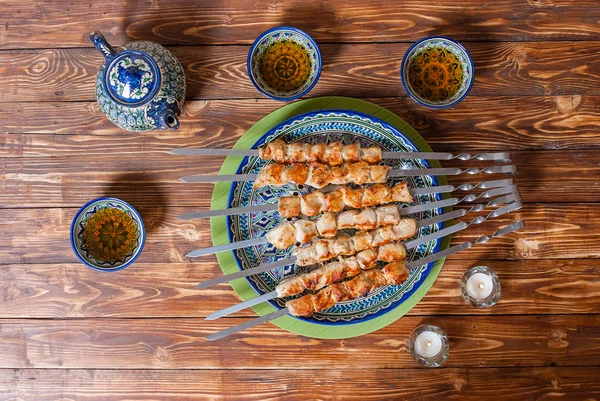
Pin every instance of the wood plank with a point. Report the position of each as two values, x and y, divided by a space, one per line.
553 231
475 341
149 180
481 123
356 70
41 24
470 384
71 290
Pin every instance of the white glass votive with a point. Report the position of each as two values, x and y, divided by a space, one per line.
429 346
480 287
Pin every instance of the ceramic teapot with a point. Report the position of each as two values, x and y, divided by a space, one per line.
141 86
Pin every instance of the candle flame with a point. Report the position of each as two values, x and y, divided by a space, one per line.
429 343
481 285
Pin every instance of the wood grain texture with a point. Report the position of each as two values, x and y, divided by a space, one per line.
553 231
468 384
37 24
482 123
356 70
145 181
475 341
70 333
165 290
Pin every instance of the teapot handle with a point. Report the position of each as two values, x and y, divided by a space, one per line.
102 45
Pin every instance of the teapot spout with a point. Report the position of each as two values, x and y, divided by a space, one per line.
164 114
102 45
168 120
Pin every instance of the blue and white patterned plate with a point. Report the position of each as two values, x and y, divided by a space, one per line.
327 126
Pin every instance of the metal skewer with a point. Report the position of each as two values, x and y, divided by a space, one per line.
403 212
510 169
409 245
414 192
428 259
498 156
508 199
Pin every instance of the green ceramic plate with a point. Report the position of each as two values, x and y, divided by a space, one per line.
220 232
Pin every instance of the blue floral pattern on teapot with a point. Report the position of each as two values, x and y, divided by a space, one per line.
141 87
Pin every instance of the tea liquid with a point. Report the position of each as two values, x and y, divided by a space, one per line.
110 235
435 74
285 66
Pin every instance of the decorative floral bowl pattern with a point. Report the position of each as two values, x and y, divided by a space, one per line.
78 225
453 47
327 126
274 35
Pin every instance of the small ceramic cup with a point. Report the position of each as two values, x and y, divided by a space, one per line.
285 67
434 79
78 227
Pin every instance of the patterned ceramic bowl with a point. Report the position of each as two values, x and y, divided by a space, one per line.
284 71
437 72
133 243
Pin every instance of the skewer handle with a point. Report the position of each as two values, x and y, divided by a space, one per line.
452 171
465 245
497 157
463 187
511 207
514 197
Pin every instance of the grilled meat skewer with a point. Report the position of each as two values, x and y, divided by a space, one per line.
394 273
287 234
333 154
345 245
340 269
378 194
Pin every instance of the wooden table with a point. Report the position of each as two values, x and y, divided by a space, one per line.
67 332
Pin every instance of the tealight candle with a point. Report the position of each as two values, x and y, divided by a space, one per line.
480 287
428 345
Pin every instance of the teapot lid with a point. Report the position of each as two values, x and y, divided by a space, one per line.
131 78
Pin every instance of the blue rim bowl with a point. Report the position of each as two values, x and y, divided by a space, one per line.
273 35
455 48
78 225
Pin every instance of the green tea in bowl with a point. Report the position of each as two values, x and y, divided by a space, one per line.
285 66
284 63
107 234
437 72
110 235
